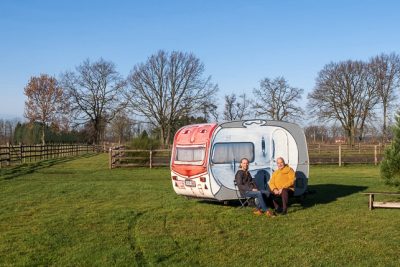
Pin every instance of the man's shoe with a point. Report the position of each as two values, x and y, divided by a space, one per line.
279 210
257 212
269 213
284 212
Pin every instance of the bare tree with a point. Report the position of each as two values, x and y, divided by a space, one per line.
96 94
336 132
276 100
344 93
236 109
169 86
122 126
45 101
316 133
7 128
210 111
385 72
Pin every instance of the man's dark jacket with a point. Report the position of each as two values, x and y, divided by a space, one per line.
244 181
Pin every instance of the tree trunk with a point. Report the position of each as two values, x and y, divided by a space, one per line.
43 133
96 132
162 137
384 124
350 136
168 136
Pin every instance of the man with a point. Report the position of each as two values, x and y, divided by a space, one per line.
282 185
248 188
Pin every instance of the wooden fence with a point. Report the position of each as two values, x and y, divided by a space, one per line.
18 154
344 154
121 157
318 154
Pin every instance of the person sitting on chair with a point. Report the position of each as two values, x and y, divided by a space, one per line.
248 188
282 185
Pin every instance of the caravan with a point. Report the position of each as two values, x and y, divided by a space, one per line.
205 157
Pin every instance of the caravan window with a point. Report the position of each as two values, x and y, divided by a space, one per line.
190 154
229 152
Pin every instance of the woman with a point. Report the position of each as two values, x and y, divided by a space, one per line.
282 185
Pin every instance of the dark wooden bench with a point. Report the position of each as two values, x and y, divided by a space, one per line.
381 204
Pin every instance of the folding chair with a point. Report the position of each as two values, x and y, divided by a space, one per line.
244 201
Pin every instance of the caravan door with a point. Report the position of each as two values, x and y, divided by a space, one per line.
283 145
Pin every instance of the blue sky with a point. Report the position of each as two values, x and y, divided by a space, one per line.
239 42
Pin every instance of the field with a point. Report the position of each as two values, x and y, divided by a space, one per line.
78 213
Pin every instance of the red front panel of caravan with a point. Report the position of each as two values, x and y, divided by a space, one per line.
198 135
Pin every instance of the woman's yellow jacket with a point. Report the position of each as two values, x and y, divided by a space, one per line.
282 178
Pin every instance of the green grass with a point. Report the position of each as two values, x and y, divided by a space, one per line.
79 213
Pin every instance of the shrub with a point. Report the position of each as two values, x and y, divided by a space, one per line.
144 142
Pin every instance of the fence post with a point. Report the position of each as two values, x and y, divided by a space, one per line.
319 148
9 155
376 156
340 155
21 150
110 158
151 159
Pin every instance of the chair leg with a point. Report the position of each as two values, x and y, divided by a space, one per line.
244 202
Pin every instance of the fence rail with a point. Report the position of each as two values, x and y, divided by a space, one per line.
18 154
122 157
318 154
345 154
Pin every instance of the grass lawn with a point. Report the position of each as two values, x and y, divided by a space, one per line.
79 213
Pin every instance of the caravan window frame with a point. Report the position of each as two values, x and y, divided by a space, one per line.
194 162
236 160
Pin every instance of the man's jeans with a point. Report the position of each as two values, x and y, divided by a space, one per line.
258 195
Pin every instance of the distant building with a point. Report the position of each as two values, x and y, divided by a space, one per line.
340 140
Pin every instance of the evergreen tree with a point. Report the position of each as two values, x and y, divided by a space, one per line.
30 134
18 134
390 165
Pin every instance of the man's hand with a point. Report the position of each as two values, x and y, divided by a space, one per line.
254 189
275 191
280 191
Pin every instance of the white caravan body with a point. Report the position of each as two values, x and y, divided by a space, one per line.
206 157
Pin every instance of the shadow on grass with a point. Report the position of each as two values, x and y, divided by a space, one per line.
326 193
27 168
318 194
